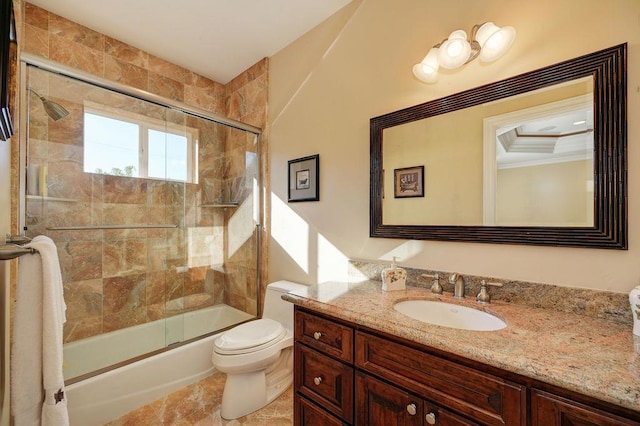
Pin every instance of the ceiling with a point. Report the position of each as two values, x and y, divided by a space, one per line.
218 39
554 138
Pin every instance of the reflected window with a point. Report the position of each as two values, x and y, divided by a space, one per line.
125 144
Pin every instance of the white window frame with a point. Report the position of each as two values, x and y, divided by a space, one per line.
145 124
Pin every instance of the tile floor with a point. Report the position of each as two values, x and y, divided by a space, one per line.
199 404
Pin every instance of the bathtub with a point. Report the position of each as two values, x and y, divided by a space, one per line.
105 397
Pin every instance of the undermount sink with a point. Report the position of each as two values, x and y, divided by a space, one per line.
449 315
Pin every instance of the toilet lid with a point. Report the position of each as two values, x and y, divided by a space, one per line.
250 335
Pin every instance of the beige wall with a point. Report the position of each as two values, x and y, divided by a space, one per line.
326 86
452 158
557 194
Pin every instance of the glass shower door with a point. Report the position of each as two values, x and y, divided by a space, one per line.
153 211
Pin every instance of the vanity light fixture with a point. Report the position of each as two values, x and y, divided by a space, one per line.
487 42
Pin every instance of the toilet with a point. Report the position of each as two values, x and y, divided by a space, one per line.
257 356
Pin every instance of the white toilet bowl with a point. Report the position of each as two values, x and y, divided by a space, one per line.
257 356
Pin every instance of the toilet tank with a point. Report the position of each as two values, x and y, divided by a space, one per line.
276 308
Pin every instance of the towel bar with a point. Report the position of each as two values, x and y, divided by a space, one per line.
12 251
98 227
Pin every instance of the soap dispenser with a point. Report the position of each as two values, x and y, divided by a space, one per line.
394 278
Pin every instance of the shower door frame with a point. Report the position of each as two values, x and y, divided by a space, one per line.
28 59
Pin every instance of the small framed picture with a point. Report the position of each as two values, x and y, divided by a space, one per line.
408 182
304 179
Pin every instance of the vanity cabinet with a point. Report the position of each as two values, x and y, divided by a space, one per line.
381 382
348 375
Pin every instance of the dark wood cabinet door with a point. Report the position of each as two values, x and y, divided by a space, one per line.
551 410
380 404
307 413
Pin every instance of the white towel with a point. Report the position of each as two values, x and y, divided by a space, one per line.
37 349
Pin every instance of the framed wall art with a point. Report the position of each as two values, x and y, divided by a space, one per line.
304 179
408 182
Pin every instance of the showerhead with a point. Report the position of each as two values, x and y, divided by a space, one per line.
53 109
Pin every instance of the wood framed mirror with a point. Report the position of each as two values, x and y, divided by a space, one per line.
462 173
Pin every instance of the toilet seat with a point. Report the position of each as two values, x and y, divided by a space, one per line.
249 337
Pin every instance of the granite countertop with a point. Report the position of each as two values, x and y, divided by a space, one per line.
591 356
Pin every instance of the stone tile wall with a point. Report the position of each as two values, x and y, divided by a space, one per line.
118 278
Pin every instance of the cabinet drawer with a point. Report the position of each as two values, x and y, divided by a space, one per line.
324 380
551 410
485 398
307 413
324 335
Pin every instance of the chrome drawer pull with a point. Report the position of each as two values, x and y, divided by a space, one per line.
317 335
411 409
317 380
430 418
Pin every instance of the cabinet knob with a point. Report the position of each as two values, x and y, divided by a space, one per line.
317 380
317 335
430 418
411 409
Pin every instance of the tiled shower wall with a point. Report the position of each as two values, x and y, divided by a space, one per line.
116 280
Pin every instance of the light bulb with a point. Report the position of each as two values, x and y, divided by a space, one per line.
494 41
455 51
427 69
454 48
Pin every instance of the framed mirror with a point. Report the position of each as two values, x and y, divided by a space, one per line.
538 158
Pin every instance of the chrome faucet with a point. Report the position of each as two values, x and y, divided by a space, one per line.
435 287
484 296
458 285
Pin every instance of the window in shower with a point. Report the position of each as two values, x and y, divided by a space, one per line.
125 144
